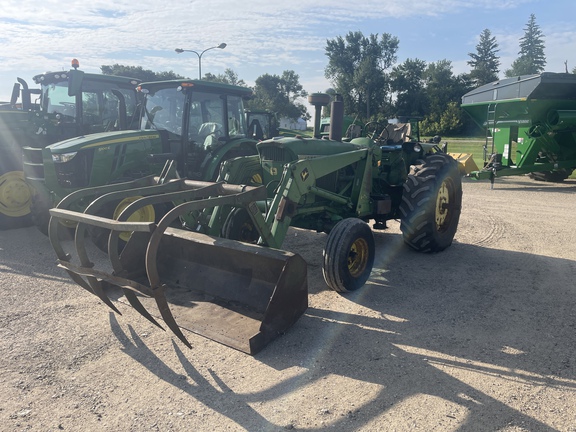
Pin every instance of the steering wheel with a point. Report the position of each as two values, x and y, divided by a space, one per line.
376 131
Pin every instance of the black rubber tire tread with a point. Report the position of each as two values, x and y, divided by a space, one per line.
9 223
557 176
336 251
239 226
41 221
418 206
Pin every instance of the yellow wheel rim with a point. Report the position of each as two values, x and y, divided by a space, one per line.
358 257
15 194
442 204
143 214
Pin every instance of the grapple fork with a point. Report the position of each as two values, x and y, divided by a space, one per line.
242 295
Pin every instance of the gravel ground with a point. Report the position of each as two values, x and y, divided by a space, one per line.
479 337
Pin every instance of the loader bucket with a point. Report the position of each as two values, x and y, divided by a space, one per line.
241 295
238 294
465 161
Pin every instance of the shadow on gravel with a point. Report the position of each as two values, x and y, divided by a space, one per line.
428 324
469 311
27 252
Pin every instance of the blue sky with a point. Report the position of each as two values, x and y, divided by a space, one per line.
264 36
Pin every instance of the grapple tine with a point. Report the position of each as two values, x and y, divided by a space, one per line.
167 315
99 292
135 303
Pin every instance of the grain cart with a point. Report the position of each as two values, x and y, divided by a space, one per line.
228 278
530 124
196 123
67 104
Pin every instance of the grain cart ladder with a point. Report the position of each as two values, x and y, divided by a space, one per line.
242 295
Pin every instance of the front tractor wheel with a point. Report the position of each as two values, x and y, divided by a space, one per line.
348 255
431 204
15 199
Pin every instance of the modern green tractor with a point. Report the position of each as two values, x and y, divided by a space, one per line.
262 124
67 104
530 124
197 124
226 276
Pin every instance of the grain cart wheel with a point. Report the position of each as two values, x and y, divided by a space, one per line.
431 204
557 176
15 199
348 255
239 226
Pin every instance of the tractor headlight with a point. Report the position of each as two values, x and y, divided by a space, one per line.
417 148
64 157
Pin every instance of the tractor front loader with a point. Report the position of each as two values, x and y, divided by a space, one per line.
243 295
226 277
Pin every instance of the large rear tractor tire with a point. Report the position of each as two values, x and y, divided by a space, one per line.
431 203
348 255
15 199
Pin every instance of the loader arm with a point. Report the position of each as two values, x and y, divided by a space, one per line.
299 178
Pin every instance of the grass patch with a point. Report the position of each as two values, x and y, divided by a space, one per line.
475 146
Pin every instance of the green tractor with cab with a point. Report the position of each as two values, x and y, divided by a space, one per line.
197 124
67 104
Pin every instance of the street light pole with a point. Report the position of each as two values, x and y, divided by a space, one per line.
180 50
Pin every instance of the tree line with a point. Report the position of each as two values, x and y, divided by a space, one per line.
364 71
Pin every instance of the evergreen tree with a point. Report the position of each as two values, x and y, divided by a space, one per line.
531 58
484 61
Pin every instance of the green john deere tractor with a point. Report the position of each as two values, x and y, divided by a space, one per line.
530 124
196 124
67 104
223 273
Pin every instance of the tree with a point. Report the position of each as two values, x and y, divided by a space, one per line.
228 77
281 95
531 58
443 91
138 72
357 67
407 81
484 61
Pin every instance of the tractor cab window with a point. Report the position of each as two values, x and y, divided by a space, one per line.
212 116
206 119
101 106
55 100
236 118
164 110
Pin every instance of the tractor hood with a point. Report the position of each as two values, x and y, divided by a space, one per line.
102 140
300 147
